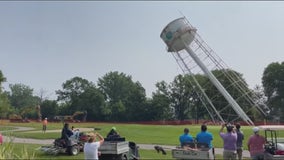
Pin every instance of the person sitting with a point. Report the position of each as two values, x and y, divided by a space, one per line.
76 133
185 138
206 137
113 133
66 132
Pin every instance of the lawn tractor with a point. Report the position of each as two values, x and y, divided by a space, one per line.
71 146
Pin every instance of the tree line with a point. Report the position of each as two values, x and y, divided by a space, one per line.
116 97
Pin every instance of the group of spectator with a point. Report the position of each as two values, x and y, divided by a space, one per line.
202 137
92 144
232 141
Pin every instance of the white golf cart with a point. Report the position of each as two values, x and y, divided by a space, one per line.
194 151
275 144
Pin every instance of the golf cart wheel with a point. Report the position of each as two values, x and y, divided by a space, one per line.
73 150
122 157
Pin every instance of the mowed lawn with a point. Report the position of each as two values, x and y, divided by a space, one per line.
29 151
138 133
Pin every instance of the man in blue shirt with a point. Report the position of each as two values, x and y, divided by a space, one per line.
205 137
185 137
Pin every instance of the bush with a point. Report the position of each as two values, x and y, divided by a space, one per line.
7 151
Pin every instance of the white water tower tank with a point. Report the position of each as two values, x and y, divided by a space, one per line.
177 34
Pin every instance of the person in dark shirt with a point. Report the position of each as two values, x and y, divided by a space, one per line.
113 133
240 139
66 132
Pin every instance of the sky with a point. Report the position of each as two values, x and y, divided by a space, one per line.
45 43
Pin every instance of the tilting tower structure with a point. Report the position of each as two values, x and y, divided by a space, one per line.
194 56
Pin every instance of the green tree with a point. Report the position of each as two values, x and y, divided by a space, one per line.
21 96
5 106
180 95
49 108
184 98
72 88
198 110
236 86
262 100
273 84
79 94
91 101
190 103
70 93
159 107
22 100
2 80
125 99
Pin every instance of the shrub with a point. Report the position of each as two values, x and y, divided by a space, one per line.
7 151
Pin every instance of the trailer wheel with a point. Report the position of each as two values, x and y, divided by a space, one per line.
122 157
73 150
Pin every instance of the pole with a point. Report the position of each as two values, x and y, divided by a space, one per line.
219 86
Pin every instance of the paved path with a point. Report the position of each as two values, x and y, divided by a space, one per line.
50 141
142 146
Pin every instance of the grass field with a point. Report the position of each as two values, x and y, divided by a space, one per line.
141 134
30 150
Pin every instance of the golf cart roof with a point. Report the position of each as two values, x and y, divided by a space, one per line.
271 127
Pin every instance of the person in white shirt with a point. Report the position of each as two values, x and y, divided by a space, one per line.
76 133
91 146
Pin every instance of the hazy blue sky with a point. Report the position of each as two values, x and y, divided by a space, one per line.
43 44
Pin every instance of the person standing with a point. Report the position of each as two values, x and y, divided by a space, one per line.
91 147
240 139
44 125
206 137
229 142
185 137
256 144
1 139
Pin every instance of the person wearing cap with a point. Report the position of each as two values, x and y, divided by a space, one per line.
240 139
91 146
113 133
44 125
256 144
229 142
185 137
205 137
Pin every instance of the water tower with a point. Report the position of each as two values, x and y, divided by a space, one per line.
193 55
